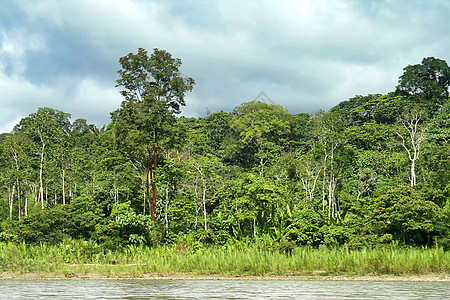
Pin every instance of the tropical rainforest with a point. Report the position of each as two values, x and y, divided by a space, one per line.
373 170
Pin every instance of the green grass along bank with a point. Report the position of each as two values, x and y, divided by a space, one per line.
82 259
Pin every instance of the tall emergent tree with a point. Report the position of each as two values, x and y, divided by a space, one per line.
429 81
154 91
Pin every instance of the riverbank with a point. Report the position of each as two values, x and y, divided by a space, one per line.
93 276
86 260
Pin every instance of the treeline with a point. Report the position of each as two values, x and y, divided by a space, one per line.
372 170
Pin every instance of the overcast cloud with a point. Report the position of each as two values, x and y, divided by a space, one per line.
305 55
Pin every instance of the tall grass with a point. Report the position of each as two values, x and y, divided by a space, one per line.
82 258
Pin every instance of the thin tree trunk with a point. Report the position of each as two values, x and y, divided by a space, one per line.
145 201
147 188
166 207
332 198
324 202
46 196
26 206
153 179
204 207
41 182
150 181
11 201
329 200
64 186
413 173
19 198
323 191
36 194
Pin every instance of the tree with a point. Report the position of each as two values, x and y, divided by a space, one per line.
308 170
14 149
217 126
154 91
45 127
171 174
412 133
428 81
329 131
440 131
252 202
381 109
263 130
204 178
403 212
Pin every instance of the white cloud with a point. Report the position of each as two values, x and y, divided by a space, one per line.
14 45
93 101
19 98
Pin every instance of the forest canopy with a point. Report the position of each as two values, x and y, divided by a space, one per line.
372 170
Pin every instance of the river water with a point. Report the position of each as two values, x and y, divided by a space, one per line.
221 289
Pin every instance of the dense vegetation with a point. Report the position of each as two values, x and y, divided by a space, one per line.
86 259
373 170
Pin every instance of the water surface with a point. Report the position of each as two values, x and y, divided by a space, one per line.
221 289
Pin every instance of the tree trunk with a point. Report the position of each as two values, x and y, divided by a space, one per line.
416 134
153 179
204 207
41 182
324 201
145 202
26 206
261 164
11 201
147 188
332 205
46 195
64 186
19 200
36 194
166 207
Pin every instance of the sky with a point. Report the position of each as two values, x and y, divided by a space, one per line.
305 55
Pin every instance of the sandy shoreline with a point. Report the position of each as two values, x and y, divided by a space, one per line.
93 276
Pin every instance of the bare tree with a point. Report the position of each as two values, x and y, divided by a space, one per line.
308 171
412 133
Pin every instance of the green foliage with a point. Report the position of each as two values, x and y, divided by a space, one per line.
121 209
442 227
134 228
154 90
183 212
257 177
429 80
262 131
54 224
75 258
252 203
220 231
406 214
305 227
